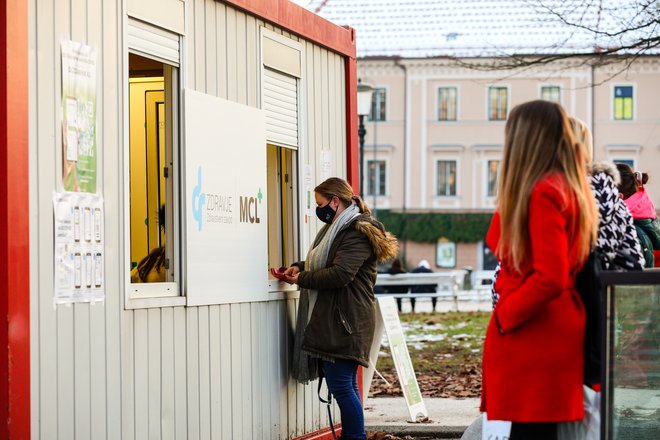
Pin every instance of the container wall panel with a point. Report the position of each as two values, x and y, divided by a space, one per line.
104 371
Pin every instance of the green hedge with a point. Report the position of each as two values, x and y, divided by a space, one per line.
429 227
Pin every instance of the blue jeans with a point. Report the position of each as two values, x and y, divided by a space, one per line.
341 377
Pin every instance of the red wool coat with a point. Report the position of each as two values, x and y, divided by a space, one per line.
533 354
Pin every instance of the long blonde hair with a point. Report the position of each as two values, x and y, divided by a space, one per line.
539 140
334 186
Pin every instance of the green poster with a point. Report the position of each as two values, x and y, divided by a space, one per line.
79 164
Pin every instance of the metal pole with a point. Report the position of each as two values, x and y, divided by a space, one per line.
361 132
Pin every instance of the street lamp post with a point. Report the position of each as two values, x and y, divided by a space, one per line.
364 92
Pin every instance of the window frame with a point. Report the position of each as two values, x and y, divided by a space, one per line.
486 175
385 161
549 86
507 87
456 160
438 102
166 294
613 102
277 289
387 103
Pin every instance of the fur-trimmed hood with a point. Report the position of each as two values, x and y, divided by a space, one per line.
385 244
607 168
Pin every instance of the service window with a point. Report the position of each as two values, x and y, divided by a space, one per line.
282 206
152 168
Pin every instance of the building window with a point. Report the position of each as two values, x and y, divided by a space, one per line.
281 165
378 104
497 103
447 100
629 162
551 93
623 103
446 183
153 166
376 177
493 171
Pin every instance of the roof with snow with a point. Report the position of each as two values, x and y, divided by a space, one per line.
475 28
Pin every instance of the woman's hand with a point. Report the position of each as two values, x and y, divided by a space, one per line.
291 275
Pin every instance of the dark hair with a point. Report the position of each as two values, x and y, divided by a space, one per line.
631 181
397 264
334 186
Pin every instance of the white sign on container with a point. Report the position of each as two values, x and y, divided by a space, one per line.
226 201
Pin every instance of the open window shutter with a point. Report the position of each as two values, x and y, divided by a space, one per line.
280 101
153 42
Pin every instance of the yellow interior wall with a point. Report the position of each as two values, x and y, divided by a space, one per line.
138 162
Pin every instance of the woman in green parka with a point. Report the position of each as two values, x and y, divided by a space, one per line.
337 310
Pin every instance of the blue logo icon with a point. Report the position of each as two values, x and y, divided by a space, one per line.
198 200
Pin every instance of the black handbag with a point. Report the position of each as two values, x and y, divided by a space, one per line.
589 286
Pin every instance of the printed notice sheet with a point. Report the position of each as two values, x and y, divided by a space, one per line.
79 248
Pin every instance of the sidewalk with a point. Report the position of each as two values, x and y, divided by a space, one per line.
449 418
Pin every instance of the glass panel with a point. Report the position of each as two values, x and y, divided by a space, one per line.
551 93
150 170
381 178
498 103
446 178
635 361
493 170
447 103
282 206
378 105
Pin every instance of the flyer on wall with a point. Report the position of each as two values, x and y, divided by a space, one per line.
79 155
79 248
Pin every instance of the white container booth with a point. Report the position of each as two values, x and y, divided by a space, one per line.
163 155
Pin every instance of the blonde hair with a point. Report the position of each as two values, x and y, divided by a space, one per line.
583 136
334 186
539 140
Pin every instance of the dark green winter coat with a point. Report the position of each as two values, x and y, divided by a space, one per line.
344 317
648 233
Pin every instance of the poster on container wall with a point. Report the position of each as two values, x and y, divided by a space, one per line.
79 155
226 204
79 248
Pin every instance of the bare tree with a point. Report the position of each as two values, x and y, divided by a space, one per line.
597 32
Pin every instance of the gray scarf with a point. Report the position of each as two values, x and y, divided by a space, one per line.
305 367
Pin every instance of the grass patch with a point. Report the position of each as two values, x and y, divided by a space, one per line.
446 351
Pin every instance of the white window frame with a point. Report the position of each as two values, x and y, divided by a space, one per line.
437 102
456 159
366 176
168 294
561 91
634 106
490 199
508 101
387 104
278 289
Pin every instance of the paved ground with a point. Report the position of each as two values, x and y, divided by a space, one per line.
448 417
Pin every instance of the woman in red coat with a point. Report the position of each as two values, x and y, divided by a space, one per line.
542 232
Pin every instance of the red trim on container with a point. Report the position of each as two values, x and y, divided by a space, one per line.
14 223
352 159
300 21
323 434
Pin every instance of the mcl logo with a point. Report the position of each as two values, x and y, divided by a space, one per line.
248 205
218 208
198 200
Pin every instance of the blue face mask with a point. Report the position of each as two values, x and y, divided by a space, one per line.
326 213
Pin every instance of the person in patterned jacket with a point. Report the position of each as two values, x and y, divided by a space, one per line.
617 243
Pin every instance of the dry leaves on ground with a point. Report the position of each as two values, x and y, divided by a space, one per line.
456 384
